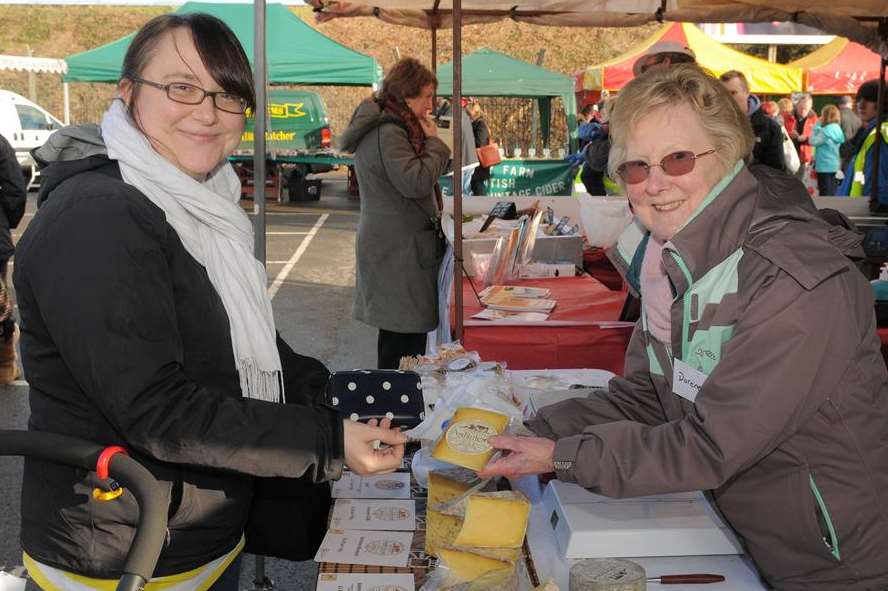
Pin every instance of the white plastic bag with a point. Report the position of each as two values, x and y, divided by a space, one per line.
604 219
790 155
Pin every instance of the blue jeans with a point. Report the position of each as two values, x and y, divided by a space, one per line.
230 579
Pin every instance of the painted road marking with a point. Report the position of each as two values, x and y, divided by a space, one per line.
282 276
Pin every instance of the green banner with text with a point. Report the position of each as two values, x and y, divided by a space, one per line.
524 178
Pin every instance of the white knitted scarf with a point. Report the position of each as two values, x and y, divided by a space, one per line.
218 234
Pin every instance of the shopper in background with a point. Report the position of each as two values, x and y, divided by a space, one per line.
850 120
146 323
768 148
398 160
13 193
785 114
586 117
771 109
803 122
481 133
663 54
826 139
859 168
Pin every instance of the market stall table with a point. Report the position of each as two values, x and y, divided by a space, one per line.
582 331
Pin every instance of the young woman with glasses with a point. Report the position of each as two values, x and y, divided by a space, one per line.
755 372
146 324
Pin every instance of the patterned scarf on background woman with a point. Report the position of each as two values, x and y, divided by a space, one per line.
414 130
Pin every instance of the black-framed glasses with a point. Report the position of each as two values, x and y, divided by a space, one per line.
189 94
674 164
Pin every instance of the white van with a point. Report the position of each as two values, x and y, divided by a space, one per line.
25 126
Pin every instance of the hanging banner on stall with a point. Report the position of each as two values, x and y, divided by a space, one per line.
526 178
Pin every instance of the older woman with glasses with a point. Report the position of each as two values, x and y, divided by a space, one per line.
755 372
146 323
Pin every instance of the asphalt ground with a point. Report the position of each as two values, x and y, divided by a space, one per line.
311 272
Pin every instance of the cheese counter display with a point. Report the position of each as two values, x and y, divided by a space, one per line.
478 538
468 536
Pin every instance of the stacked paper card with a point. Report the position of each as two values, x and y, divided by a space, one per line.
514 290
515 298
372 521
500 315
390 514
365 582
376 548
382 486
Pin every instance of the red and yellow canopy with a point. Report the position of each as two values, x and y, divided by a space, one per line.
838 67
763 76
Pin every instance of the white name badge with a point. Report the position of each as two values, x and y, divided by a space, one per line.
687 381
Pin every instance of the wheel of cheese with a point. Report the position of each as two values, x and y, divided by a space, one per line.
607 574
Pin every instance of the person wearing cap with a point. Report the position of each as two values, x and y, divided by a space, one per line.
859 150
662 55
768 148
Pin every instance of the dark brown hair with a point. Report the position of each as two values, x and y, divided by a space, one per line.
406 80
731 74
216 44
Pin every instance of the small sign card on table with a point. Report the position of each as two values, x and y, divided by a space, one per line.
378 548
387 514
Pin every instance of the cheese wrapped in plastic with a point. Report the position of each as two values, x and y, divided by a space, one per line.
446 484
464 443
441 530
465 567
494 520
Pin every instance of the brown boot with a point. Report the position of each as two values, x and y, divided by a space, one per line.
8 366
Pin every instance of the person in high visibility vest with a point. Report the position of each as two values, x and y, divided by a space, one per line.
859 168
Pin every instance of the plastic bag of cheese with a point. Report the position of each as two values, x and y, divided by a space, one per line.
464 441
465 570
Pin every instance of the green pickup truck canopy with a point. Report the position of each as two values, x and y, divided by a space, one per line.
296 52
490 73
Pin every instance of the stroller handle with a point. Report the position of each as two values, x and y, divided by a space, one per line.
153 504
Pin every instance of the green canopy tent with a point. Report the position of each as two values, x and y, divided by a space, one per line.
296 52
490 73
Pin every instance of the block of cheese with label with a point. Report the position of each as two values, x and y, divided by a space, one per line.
464 443
466 566
494 520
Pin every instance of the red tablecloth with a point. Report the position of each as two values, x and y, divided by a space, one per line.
582 301
883 336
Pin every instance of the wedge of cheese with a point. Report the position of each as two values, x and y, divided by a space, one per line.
446 484
464 443
441 530
465 567
494 520
504 554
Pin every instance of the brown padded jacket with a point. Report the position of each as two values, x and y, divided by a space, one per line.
789 431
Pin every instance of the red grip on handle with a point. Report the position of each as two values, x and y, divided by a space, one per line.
690 579
105 459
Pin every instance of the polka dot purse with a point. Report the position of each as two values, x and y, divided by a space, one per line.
377 394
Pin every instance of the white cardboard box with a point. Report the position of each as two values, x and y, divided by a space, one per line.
587 525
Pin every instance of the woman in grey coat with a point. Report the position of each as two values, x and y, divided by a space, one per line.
398 159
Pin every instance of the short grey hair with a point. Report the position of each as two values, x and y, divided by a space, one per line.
683 84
